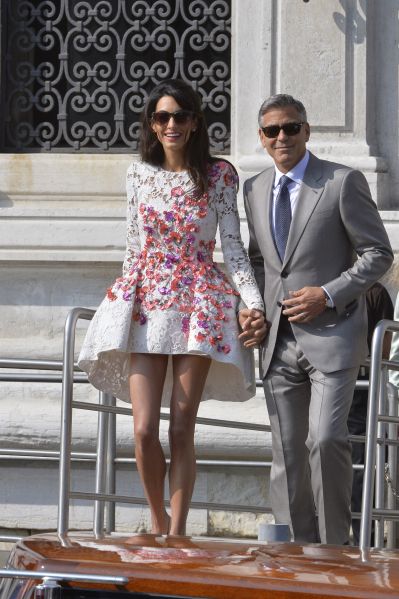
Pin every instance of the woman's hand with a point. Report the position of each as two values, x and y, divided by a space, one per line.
254 327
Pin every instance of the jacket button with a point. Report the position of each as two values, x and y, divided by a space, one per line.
284 274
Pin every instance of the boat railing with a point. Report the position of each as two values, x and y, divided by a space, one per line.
381 432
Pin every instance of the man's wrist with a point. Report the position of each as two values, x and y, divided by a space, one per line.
328 298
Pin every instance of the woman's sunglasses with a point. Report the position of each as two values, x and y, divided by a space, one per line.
181 117
289 129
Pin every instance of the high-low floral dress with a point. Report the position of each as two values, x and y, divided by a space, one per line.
172 298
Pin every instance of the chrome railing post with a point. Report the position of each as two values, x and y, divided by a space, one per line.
371 435
101 463
110 482
66 415
392 393
380 459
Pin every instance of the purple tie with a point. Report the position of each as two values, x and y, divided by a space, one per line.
282 216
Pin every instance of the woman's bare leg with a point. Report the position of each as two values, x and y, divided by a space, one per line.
146 382
189 376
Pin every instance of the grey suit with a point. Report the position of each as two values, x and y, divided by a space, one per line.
336 240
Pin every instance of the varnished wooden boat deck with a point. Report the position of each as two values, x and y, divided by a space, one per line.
217 569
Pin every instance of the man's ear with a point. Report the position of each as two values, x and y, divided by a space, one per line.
261 137
307 130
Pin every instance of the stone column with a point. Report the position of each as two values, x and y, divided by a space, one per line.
318 52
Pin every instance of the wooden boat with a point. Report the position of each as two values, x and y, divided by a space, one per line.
164 567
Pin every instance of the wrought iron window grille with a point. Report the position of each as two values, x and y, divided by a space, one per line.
75 74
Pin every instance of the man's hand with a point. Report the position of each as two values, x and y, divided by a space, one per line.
254 327
305 304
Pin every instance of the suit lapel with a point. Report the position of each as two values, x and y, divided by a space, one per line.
309 195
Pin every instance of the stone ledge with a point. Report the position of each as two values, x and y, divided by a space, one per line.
352 155
30 419
26 505
71 175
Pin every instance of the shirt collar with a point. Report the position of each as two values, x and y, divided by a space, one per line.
296 174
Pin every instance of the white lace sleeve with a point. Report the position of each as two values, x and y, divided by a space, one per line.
132 232
234 254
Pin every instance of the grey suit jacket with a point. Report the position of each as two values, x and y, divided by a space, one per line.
337 240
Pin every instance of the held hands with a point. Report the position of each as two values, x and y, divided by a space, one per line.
254 327
305 304
302 306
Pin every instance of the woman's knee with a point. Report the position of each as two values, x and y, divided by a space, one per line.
181 435
146 435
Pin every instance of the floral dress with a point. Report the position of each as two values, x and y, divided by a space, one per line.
172 298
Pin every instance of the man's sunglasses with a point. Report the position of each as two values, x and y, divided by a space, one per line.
181 117
289 129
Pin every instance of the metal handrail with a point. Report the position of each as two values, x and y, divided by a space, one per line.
87 456
41 378
375 429
63 576
31 364
10 538
66 412
18 377
105 471
95 407
105 411
11 454
105 466
392 462
52 455
112 498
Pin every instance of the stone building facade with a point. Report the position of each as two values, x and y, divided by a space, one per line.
62 238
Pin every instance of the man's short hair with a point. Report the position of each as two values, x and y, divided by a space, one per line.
282 101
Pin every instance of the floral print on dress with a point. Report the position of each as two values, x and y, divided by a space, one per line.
175 268
173 297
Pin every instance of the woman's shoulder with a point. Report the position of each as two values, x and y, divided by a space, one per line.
138 167
223 171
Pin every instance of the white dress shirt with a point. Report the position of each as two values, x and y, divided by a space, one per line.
296 174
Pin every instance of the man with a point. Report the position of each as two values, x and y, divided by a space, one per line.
313 273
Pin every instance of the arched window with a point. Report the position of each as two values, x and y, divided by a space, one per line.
76 73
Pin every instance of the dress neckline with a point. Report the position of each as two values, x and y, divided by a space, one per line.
160 169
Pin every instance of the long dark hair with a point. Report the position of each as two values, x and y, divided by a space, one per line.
197 156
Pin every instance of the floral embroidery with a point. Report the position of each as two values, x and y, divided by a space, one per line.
111 295
169 262
177 267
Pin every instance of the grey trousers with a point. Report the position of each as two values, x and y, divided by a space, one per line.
311 476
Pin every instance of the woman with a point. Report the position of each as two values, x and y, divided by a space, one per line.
172 299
